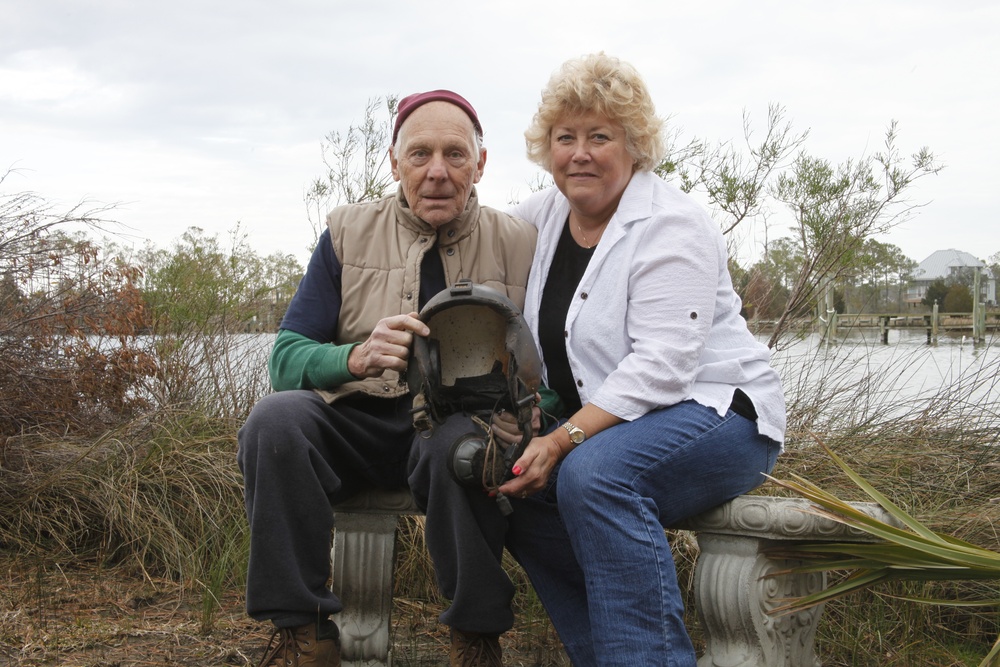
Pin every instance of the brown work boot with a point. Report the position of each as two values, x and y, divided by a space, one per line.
472 649
304 646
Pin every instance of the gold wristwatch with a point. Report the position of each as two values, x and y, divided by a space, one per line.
576 434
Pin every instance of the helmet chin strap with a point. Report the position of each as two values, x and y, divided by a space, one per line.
480 461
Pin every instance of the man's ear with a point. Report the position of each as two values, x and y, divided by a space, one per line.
393 164
480 166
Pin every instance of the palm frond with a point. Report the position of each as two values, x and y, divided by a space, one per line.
910 551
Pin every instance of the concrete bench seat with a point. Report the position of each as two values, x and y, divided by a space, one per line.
731 595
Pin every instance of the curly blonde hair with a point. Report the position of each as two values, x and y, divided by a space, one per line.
598 83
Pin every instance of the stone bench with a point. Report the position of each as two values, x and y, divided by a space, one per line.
732 598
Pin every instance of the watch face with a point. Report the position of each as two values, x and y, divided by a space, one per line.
576 434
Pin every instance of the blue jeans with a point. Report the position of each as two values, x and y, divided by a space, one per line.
593 542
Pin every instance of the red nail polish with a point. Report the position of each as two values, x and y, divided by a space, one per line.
516 470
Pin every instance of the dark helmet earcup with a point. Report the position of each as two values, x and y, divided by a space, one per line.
465 460
472 463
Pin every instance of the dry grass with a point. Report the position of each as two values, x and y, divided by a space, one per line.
936 455
82 615
162 494
131 549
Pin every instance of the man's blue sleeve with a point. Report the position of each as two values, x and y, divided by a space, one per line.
302 356
315 308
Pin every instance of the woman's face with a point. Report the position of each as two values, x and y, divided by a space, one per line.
590 163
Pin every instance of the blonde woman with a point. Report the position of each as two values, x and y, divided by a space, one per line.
672 406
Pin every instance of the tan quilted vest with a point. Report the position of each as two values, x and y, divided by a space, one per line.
380 246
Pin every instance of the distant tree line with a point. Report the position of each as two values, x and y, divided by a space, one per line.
834 211
93 327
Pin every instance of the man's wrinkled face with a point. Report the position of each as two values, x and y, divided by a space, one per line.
436 161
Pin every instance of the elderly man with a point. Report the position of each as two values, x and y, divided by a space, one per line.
340 419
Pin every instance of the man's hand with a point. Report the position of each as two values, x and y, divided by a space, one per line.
508 431
387 347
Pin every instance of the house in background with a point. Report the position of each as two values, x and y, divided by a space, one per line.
950 265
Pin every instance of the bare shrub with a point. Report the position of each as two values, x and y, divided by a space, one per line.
70 319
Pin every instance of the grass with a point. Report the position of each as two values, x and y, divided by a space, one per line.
130 549
935 455
909 551
87 615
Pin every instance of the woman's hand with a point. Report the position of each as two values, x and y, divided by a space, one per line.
542 454
532 470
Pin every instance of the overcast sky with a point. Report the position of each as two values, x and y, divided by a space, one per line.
207 113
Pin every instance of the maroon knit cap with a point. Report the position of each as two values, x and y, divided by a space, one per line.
410 103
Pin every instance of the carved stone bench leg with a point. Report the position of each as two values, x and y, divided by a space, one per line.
364 549
732 602
731 596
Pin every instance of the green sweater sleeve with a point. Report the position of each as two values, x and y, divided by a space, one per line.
299 362
552 407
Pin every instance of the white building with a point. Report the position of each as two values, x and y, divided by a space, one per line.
949 265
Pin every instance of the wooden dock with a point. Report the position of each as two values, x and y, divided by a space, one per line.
933 323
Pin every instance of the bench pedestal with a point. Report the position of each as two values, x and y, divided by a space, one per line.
731 595
363 554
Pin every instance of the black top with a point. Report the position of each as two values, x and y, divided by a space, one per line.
568 265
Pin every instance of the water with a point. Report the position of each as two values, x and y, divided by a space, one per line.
857 374
905 376
906 368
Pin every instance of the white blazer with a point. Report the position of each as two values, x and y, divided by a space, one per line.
655 319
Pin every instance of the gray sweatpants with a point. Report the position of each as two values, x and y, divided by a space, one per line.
299 455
